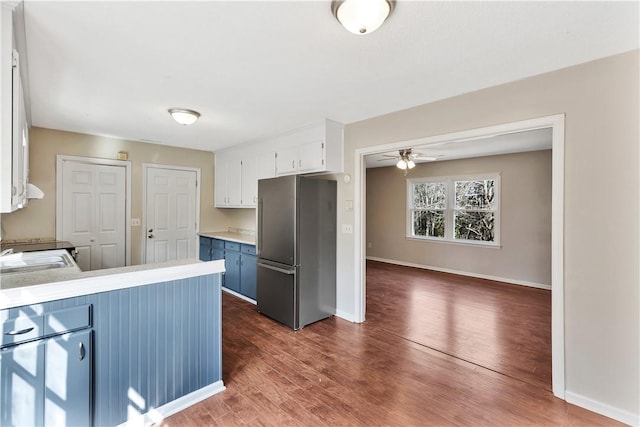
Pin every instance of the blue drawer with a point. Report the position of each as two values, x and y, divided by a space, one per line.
217 244
248 249
23 328
205 241
232 246
70 319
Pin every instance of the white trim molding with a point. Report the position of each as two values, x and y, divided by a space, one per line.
157 415
463 273
603 408
556 123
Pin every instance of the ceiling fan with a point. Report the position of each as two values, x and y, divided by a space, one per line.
406 159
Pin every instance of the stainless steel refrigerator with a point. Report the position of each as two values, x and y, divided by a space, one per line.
296 248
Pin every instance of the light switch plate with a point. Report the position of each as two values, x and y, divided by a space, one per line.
135 222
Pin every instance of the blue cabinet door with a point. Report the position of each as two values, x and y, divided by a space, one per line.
248 272
205 248
22 384
68 379
232 275
217 254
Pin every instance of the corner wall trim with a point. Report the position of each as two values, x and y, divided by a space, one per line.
603 408
346 316
156 415
463 273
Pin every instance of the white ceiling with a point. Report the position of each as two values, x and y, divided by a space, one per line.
516 142
257 69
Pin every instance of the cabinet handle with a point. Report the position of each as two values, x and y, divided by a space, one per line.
20 332
81 352
299 163
293 163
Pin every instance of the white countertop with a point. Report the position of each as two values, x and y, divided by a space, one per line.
36 287
248 239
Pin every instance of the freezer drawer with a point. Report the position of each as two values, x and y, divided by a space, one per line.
276 293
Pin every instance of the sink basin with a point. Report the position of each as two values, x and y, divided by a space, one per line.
24 262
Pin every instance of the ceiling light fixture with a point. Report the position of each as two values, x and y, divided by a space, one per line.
362 16
183 116
406 161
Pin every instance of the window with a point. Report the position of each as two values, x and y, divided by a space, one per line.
459 209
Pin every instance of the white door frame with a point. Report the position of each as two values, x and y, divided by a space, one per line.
145 167
60 159
556 123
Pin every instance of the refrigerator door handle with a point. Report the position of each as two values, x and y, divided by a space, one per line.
278 269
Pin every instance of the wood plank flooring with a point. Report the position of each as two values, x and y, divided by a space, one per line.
336 373
502 327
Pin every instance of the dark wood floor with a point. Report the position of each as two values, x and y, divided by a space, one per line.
505 328
397 368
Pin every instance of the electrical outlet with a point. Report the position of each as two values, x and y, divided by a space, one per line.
347 228
135 222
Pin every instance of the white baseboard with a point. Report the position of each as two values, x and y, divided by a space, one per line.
236 294
463 273
346 316
603 409
155 416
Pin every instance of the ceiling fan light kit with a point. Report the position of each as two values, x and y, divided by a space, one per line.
183 116
362 16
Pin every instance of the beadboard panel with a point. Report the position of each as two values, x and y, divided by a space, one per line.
152 344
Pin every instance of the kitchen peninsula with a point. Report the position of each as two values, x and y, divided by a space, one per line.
146 343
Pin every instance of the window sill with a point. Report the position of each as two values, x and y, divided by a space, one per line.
488 245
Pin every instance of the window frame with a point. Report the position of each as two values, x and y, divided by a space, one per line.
450 210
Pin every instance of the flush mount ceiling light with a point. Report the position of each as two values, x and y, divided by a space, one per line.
183 116
362 16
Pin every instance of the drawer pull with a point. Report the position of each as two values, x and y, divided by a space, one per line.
82 351
20 332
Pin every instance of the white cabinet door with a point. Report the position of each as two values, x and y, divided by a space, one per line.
220 185
267 165
287 161
311 157
234 182
249 182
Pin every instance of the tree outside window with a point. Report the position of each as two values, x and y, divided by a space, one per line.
463 209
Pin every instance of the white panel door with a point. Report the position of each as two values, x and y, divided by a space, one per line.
94 215
170 214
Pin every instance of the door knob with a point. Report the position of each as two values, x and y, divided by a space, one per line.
150 236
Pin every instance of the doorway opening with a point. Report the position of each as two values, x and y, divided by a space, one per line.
556 124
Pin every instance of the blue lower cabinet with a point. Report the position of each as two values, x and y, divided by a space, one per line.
205 248
47 381
248 274
241 265
232 275
67 390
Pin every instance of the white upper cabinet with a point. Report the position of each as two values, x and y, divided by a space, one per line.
249 182
307 158
227 182
313 149
14 129
266 164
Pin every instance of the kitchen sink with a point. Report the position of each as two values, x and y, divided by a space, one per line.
24 262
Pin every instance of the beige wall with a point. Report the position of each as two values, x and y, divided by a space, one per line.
601 187
525 212
38 219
